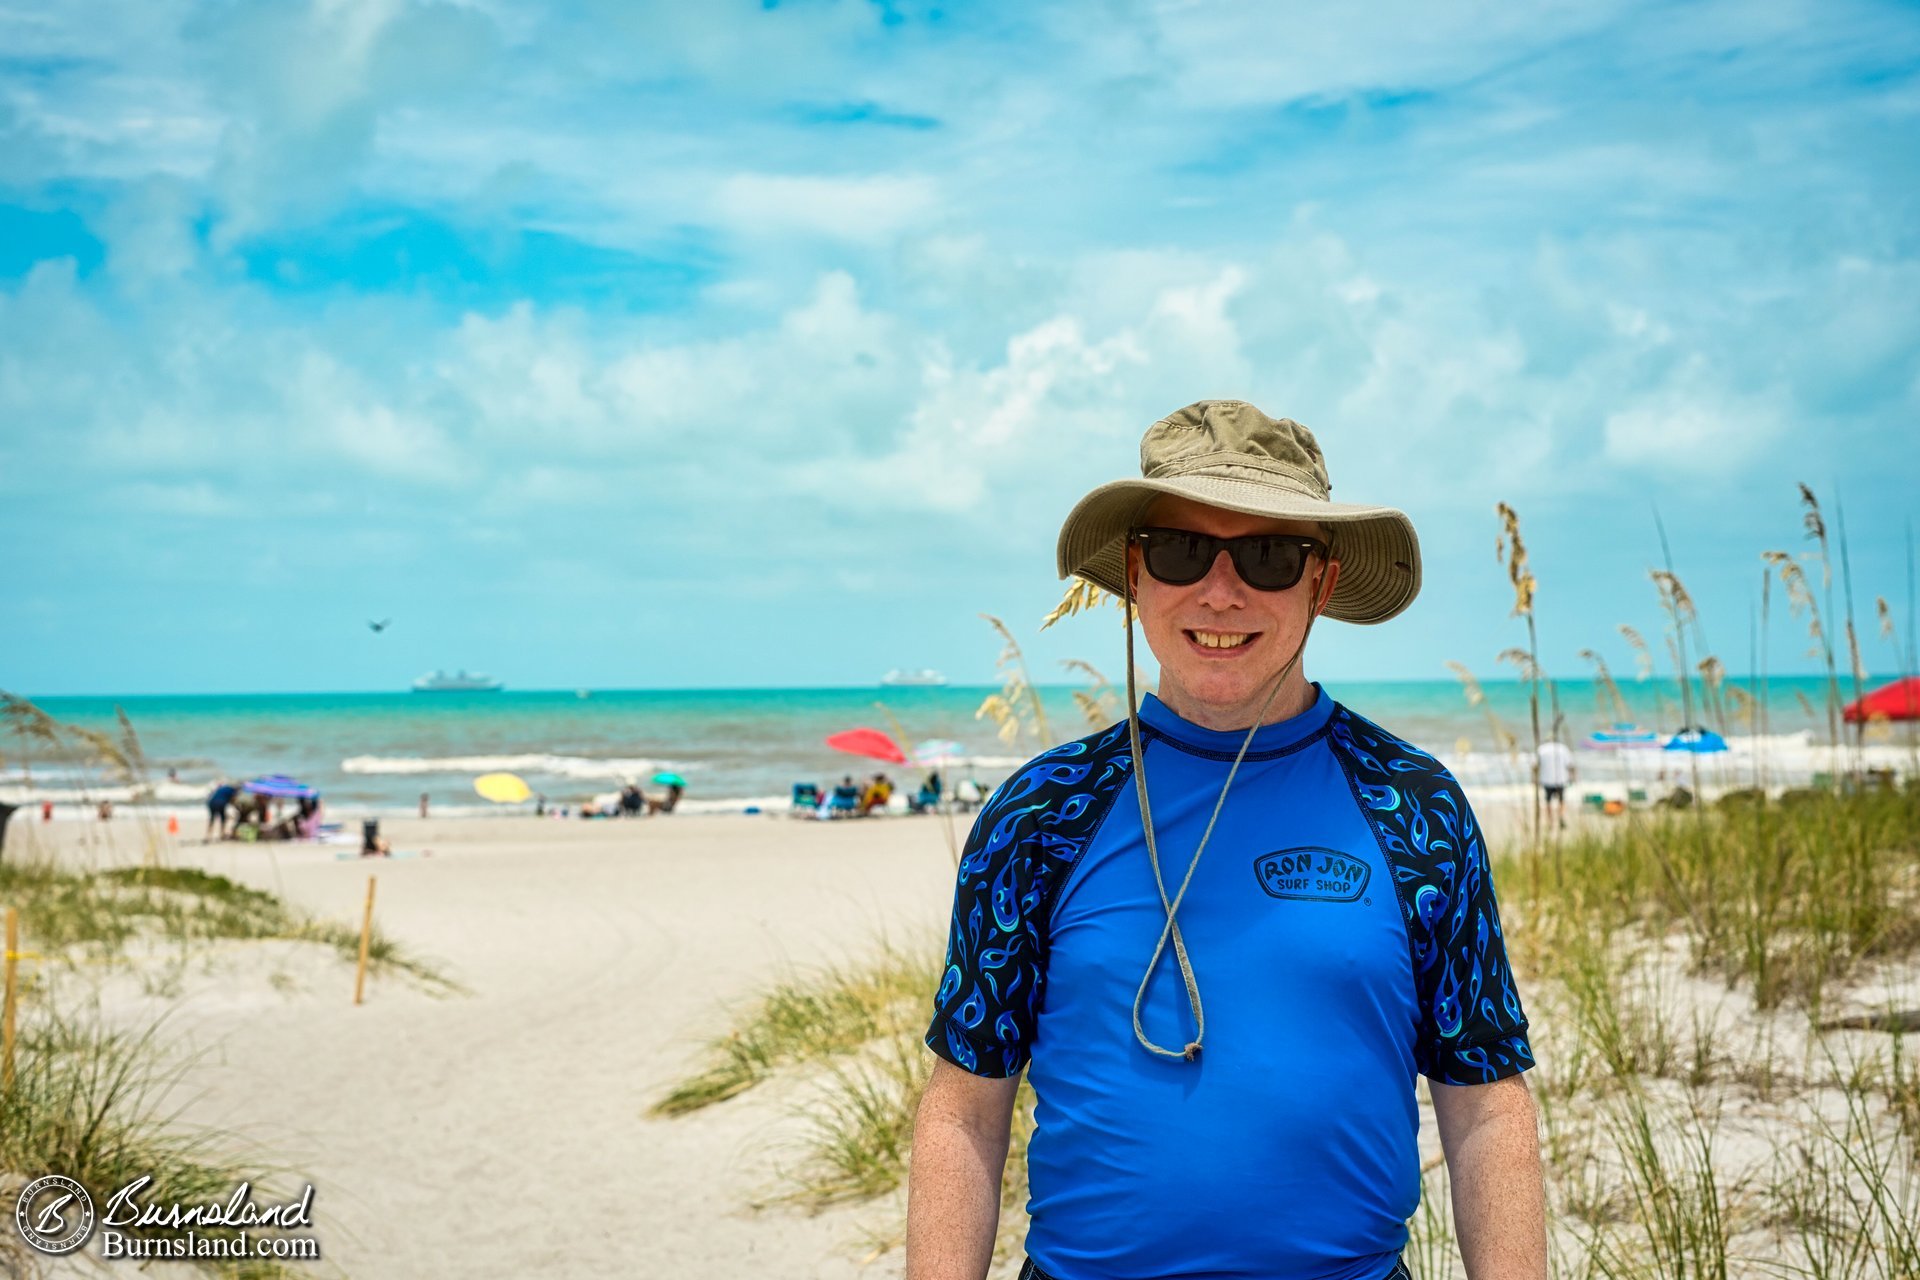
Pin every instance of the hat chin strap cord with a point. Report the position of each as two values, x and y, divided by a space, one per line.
1171 932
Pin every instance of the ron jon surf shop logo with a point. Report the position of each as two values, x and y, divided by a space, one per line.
1312 873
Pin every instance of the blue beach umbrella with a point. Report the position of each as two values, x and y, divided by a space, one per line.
280 785
1698 741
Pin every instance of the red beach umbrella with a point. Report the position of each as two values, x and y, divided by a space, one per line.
1897 701
871 743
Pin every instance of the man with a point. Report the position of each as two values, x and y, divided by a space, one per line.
219 809
1555 771
1224 936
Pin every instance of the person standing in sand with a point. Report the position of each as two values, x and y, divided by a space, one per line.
1223 936
1555 772
220 810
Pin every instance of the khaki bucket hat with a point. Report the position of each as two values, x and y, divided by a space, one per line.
1227 453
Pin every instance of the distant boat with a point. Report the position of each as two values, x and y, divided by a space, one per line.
458 682
923 678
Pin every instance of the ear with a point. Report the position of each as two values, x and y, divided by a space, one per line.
1133 568
1323 586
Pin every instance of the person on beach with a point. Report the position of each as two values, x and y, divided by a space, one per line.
667 802
845 799
1224 936
220 809
1555 772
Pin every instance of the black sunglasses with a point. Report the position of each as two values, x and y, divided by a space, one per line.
1265 561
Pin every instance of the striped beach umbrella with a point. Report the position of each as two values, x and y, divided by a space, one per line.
280 786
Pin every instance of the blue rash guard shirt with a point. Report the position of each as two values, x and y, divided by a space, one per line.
1344 935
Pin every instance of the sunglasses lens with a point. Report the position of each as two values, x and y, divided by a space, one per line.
1178 558
1270 564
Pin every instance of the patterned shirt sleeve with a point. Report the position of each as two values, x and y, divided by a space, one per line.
1022 848
991 983
1472 1028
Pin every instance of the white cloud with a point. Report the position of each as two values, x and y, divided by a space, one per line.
1695 424
1490 252
860 209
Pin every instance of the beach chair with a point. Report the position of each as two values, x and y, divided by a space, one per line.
844 803
806 795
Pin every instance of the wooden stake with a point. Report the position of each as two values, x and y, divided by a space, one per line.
366 935
6 1016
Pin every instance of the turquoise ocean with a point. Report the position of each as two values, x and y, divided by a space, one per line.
381 751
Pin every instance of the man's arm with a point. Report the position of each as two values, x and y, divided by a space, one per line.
1492 1147
960 1137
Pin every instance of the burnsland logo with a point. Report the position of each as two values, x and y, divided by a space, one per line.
1312 873
54 1214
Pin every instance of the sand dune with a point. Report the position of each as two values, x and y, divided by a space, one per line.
503 1132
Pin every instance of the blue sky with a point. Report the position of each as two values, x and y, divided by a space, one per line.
633 345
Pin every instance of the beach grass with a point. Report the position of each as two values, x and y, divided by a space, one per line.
1785 898
856 1030
812 1018
97 915
87 1102
1655 1021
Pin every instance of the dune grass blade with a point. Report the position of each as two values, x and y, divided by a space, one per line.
810 1018
102 912
1678 1228
1786 897
861 1124
86 1103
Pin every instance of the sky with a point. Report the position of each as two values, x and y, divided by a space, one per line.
627 345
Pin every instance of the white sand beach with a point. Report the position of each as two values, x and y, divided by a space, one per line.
503 1132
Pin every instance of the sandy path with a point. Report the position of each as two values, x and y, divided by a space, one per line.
504 1132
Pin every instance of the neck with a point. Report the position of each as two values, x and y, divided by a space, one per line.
1295 696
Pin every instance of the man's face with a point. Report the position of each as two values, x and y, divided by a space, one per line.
1221 684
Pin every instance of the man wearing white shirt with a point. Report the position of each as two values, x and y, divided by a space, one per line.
1555 771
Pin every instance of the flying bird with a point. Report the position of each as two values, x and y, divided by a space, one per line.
378 627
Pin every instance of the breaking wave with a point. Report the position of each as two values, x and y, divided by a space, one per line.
613 769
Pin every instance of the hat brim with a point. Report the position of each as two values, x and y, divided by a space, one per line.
1379 553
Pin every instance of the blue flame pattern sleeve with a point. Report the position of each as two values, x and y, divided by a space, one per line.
1024 844
1472 1028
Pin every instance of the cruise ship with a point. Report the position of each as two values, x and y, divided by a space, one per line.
459 682
925 677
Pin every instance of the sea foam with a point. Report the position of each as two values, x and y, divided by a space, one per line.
615 768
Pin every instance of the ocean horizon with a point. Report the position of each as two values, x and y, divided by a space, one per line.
380 751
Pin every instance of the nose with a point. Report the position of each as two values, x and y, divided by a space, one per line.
1221 588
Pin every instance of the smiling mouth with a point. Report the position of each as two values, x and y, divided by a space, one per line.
1222 641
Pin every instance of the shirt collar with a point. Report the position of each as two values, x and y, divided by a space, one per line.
1158 716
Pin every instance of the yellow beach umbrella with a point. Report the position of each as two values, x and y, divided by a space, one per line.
502 788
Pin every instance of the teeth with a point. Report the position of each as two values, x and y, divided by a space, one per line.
1219 640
